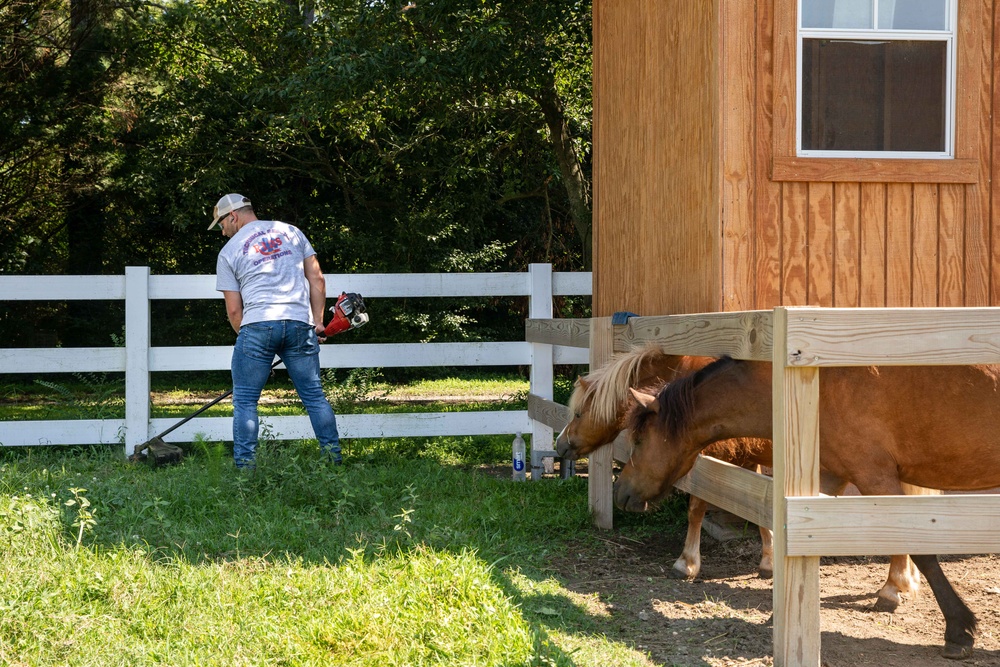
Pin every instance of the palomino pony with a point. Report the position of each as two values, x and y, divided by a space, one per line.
931 426
598 404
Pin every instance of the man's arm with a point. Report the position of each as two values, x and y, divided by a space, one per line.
317 291
234 308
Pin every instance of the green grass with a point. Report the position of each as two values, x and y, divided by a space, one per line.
411 554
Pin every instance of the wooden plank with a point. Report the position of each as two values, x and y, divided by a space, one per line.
62 288
572 283
736 95
992 150
977 212
873 255
358 355
794 248
621 447
599 472
925 245
796 473
901 337
63 432
137 339
742 492
951 247
399 425
899 245
392 285
742 335
819 245
768 217
869 170
847 244
36 360
87 432
550 413
887 525
368 285
565 331
579 356
785 84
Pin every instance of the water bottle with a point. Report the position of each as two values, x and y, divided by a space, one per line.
518 458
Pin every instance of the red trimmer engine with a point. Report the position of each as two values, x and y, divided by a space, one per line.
348 313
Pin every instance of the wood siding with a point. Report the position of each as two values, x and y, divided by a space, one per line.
656 206
727 218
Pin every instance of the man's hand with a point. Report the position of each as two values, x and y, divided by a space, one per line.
320 329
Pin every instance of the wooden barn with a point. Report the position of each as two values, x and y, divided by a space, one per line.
749 155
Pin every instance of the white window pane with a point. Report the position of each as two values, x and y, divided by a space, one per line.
837 14
913 14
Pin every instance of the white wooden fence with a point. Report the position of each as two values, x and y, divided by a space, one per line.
137 359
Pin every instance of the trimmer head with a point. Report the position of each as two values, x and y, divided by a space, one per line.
157 453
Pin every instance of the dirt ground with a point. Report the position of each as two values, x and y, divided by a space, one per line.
723 617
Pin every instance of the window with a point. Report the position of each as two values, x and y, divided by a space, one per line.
876 78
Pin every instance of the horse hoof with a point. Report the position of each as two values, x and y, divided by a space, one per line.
885 604
679 574
954 651
765 574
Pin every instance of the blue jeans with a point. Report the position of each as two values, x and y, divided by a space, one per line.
296 344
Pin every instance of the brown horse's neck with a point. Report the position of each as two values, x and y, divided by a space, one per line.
727 399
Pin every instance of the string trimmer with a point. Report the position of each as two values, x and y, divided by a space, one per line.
348 313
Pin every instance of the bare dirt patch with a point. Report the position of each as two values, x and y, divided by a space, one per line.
723 618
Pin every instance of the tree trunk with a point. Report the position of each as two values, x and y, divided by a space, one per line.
573 179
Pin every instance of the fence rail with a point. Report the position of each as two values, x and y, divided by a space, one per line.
137 359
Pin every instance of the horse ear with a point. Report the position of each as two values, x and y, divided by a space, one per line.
582 382
647 401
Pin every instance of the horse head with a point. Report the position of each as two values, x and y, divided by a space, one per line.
600 399
588 428
659 454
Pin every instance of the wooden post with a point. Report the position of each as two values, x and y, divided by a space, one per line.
795 392
542 374
599 473
137 329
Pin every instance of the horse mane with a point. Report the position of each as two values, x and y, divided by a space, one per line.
676 400
608 386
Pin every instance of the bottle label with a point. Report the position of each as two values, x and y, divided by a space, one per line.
518 463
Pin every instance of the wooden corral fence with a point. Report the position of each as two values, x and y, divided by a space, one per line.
137 359
806 524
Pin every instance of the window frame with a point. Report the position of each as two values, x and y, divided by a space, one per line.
959 165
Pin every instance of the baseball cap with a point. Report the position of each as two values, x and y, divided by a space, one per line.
227 205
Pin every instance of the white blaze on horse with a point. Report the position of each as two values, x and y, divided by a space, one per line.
598 405
934 427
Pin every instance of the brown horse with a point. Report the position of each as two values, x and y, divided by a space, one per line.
598 405
879 427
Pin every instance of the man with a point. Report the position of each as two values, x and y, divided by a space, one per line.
275 294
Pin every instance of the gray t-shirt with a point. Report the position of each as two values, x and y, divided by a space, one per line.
264 262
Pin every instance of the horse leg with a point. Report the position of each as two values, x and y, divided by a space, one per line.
689 563
766 569
766 553
960 622
903 574
903 578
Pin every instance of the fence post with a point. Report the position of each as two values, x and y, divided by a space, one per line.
542 374
137 330
795 407
600 463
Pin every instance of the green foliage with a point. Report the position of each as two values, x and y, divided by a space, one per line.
452 136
